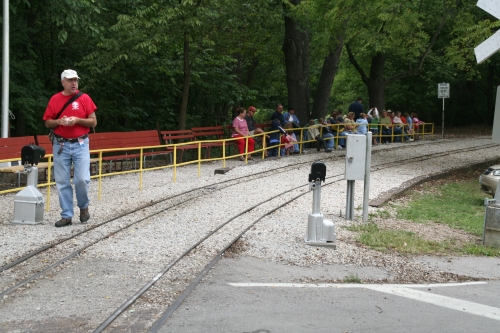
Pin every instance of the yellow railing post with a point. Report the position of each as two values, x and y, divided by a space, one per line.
246 149
175 163
224 153
99 187
264 145
49 174
199 159
141 154
301 139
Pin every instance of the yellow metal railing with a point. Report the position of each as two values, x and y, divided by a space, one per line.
173 149
425 129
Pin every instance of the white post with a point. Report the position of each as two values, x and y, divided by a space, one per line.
442 123
366 194
5 71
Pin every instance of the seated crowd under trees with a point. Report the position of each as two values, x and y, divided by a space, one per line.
330 132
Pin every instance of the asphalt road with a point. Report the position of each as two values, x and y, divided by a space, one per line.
249 295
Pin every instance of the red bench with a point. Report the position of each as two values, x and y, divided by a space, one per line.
208 134
264 126
116 140
10 148
130 140
43 141
181 136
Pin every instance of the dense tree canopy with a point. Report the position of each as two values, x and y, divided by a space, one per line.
182 63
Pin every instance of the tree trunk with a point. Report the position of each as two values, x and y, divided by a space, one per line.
376 83
187 81
328 71
296 50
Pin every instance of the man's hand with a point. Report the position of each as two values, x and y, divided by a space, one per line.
64 121
68 121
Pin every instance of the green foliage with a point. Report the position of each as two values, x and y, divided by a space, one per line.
471 29
130 55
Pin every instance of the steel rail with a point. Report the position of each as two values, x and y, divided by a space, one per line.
78 251
186 292
207 187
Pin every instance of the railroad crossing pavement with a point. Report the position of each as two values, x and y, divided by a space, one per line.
250 295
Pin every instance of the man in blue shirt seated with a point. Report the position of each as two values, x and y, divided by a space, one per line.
290 117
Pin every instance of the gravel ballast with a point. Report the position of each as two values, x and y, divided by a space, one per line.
144 249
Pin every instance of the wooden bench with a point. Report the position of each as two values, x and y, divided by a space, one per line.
43 141
209 134
264 126
131 140
181 136
10 148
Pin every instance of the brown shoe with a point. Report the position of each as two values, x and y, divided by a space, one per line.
84 215
63 223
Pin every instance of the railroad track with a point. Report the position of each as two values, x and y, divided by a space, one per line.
216 236
197 192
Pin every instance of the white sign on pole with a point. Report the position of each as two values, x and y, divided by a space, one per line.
443 90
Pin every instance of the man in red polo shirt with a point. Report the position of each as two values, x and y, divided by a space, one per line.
71 124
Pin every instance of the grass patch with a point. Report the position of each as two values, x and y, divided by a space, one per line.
351 278
398 240
459 205
381 213
456 201
480 250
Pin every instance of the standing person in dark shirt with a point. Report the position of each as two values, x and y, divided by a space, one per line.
357 108
278 114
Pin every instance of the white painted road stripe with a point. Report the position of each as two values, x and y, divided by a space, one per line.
403 290
443 301
352 285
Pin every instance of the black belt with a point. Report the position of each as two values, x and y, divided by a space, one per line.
60 138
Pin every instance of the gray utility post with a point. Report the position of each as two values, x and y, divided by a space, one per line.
491 229
357 167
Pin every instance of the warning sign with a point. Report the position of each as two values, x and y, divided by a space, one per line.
443 90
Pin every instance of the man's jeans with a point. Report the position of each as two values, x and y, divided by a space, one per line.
397 131
386 132
78 156
328 143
